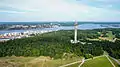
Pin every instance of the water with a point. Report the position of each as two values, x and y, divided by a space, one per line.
12 23
65 26
62 23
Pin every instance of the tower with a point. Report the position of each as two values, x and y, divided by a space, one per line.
75 33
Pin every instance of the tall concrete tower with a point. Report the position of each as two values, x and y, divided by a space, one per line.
75 33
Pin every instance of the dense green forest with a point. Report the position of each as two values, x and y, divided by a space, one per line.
55 44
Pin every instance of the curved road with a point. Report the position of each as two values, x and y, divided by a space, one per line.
70 64
116 60
110 61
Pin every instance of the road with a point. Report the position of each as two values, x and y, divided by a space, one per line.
110 61
116 60
70 64
83 60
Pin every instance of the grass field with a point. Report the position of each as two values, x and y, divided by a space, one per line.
98 62
34 61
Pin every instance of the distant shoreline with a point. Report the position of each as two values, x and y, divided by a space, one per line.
59 22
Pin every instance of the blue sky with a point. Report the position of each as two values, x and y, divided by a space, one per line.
60 10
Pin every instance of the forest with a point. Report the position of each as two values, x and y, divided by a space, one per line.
55 44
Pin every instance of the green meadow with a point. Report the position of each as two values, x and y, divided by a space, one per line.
98 62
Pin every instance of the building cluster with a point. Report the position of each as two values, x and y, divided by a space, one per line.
18 35
32 26
32 29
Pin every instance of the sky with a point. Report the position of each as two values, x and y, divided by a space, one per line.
59 10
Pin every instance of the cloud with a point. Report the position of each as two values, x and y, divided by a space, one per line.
107 4
56 10
1 11
109 1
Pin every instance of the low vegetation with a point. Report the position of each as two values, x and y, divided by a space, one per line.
34 61
14 61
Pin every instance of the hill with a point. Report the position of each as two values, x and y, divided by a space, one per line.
56 45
